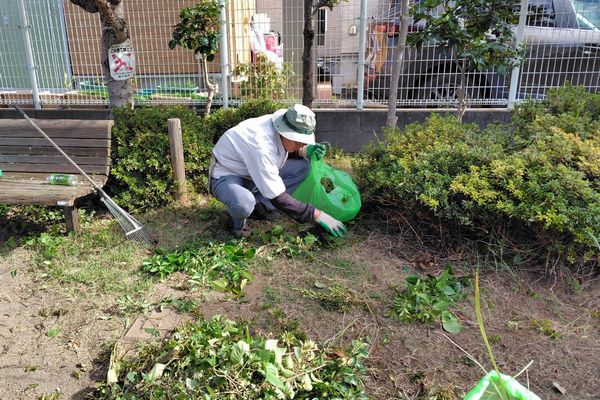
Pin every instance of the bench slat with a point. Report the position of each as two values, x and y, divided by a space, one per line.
72 129
40 194
71 151
50 159
54 168
60 142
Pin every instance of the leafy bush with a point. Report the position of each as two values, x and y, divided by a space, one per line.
429 299
141 176
223 119
543 175
219 360
263 79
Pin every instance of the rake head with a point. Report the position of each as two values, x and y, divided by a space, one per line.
134 230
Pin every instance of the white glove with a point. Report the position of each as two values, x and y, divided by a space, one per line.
331 225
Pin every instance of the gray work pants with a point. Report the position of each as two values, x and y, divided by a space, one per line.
240 194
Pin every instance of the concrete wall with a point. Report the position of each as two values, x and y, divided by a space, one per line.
348 130
351 130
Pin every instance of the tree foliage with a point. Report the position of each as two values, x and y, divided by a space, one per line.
198 30
478 33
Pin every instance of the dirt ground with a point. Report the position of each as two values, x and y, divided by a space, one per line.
522 310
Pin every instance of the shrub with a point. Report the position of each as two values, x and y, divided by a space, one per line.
543 176
263 79
223 119
141 176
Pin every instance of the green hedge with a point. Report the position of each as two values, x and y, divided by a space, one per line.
543 174
218 122
141 175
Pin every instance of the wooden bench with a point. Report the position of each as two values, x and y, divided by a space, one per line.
27 159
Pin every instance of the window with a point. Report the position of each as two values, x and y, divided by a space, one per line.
321 26
541 13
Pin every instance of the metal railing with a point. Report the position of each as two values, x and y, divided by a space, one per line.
50 50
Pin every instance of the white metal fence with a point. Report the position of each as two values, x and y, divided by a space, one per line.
264 48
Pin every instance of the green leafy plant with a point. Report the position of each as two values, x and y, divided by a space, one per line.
546 328
182 305
223 119
220 266
198 30
128 304
48 244
263 79
54 332
141 175
219 359
281 242
429 299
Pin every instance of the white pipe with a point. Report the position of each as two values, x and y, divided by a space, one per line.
516 72
29 56
360 103
223 54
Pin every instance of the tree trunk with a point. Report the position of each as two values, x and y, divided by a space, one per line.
210 88
307 55
462 93
114 31
398 66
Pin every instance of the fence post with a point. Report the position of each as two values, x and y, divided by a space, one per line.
223 54
177 160
360 103
514 76
29 56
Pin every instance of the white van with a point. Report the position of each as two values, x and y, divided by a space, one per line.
563 45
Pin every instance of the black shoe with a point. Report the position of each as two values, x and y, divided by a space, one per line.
262 213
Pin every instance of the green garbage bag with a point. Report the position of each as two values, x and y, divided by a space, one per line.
486 389
330 190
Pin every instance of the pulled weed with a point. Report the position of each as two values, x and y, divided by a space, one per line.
219 359
335 297
220 266
429 300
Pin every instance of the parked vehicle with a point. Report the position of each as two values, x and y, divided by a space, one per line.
563 45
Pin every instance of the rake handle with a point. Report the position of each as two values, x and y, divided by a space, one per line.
94 184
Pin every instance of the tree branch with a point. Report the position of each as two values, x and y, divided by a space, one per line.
107 11
88 5
324 3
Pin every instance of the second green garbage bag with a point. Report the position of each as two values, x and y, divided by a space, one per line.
330 190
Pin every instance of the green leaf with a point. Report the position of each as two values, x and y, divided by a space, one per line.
272 376
156 372
54 332
450 323
238 351
220 284
277 230
440 305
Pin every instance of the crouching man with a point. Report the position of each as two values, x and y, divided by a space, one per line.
252 175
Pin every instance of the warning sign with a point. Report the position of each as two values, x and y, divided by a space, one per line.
121 61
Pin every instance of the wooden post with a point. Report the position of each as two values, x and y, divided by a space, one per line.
177 161
71 218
